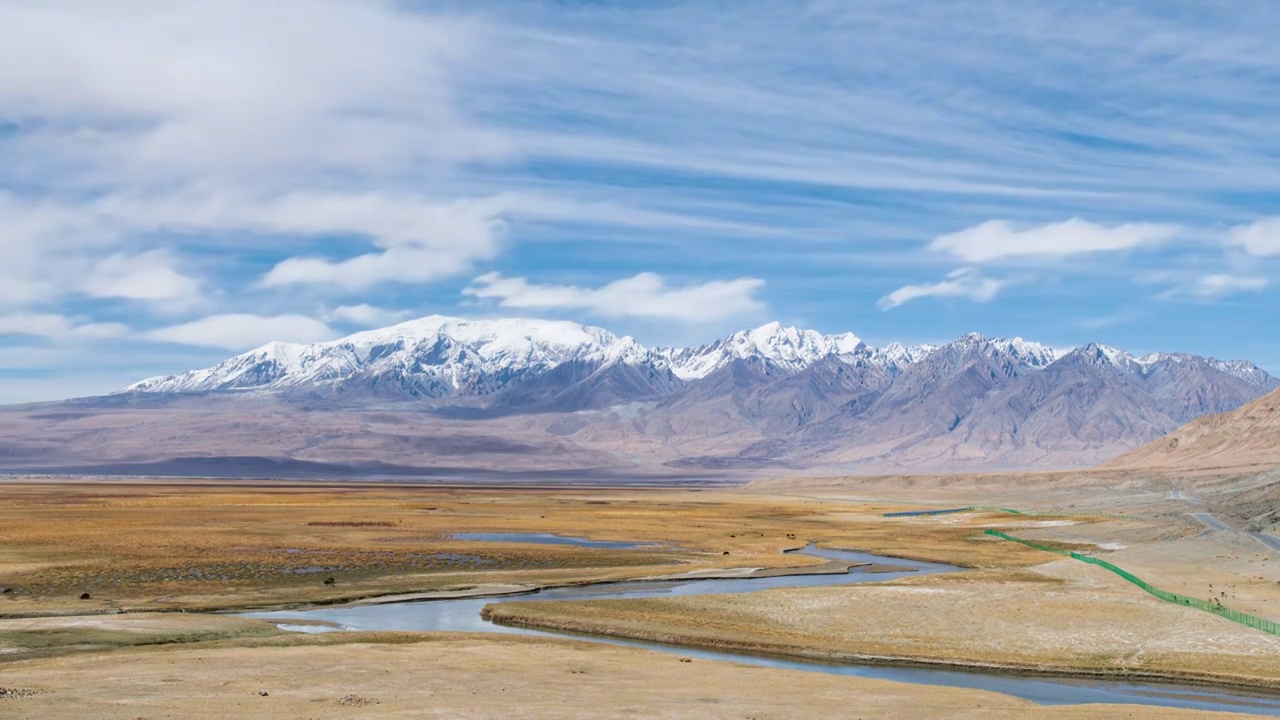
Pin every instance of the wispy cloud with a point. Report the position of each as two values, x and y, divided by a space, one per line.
836 150
58 327
365 315
1257 238
997 239
1103 322
643 296
1218 285
149 276
967 283
242 331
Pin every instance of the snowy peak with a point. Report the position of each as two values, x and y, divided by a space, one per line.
430 356
502 340
788 348
898 355
1246 371
1013 355
442 357
1160 363
1034 354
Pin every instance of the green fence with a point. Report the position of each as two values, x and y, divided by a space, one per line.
1052 514
1213 606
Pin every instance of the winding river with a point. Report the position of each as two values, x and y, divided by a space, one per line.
463 615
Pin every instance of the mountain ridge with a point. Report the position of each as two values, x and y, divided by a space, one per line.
451 351
442 392
1244 437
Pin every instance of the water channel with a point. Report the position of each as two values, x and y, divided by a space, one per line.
463 615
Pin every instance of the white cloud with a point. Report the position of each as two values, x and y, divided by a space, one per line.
255 126
394 265
1211 287
264 94
254 141
58 327
996 239
963 283
149 276
243 331
643 296
1259 238
368 315
418 239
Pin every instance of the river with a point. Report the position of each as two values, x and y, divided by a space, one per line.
463 615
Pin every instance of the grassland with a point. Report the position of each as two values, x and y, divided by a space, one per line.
24 638
142 551
450 676
1062 618
153 547
1020 609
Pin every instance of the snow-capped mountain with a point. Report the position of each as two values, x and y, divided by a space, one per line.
516 394
442 357
429 357
1242 369
436 357
787 348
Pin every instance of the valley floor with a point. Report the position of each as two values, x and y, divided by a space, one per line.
450 676
143 550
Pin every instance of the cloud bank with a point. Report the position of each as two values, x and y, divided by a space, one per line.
645 295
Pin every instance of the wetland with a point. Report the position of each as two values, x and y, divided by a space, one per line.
761 580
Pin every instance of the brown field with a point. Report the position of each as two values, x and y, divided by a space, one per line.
1065 617
389 675
186 546
144 550
22 638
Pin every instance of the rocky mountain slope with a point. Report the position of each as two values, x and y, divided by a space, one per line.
442 391
1245 437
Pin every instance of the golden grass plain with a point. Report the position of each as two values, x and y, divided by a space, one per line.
1063 618
404 675
184 546
144 550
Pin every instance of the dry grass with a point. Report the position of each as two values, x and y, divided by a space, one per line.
171 546
1063 617
449 676
158 546
40 637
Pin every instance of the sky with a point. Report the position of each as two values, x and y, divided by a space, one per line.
181 181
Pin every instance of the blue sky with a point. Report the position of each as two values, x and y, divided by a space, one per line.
180 181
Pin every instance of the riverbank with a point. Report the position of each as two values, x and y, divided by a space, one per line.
1056 619
165 549
441 675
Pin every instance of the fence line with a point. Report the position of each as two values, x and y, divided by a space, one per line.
911 513
1052 514
1258 623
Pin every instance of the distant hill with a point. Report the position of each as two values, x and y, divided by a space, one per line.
1245 437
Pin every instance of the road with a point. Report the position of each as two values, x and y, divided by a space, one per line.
1272 542
1210 521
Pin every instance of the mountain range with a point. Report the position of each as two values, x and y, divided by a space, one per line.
1246 437
521 394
